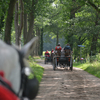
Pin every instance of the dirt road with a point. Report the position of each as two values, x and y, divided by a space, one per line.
68 85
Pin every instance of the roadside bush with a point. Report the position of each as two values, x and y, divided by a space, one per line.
37 69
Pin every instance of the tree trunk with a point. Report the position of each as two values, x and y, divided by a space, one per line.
38 32
7 37
16 22
18 27
38 45
30 34
94 44
25 28
41 41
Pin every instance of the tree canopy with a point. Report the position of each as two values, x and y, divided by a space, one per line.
66 21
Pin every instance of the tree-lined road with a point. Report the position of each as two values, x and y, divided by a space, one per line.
68 85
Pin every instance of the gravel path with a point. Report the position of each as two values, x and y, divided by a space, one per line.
64 84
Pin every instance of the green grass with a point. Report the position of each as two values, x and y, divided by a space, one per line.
37 57
92 68
37 69
31 59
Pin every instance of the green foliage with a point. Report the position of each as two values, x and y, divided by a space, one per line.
30 58
50 42
95 57
77 21
33 59
13 37
4 4
36 57
93 68
37 69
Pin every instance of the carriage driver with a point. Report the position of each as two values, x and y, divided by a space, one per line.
67 46
47 54
58 47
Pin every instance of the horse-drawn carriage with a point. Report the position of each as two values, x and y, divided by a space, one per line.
63 58
47 58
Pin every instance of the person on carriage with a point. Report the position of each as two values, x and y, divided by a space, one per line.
67 49
58 47
47 54
52 54
52 51
58 50
67 46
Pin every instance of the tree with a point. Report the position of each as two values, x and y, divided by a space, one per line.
32 10
9 20
18 22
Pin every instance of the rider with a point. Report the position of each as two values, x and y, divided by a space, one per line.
52 51
67 49
67 46
47 54
58 47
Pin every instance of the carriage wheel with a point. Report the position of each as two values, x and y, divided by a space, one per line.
54 63
45 60
71 68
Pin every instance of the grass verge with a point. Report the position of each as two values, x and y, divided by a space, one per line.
92 68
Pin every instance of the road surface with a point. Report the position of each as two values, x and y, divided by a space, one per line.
64 84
